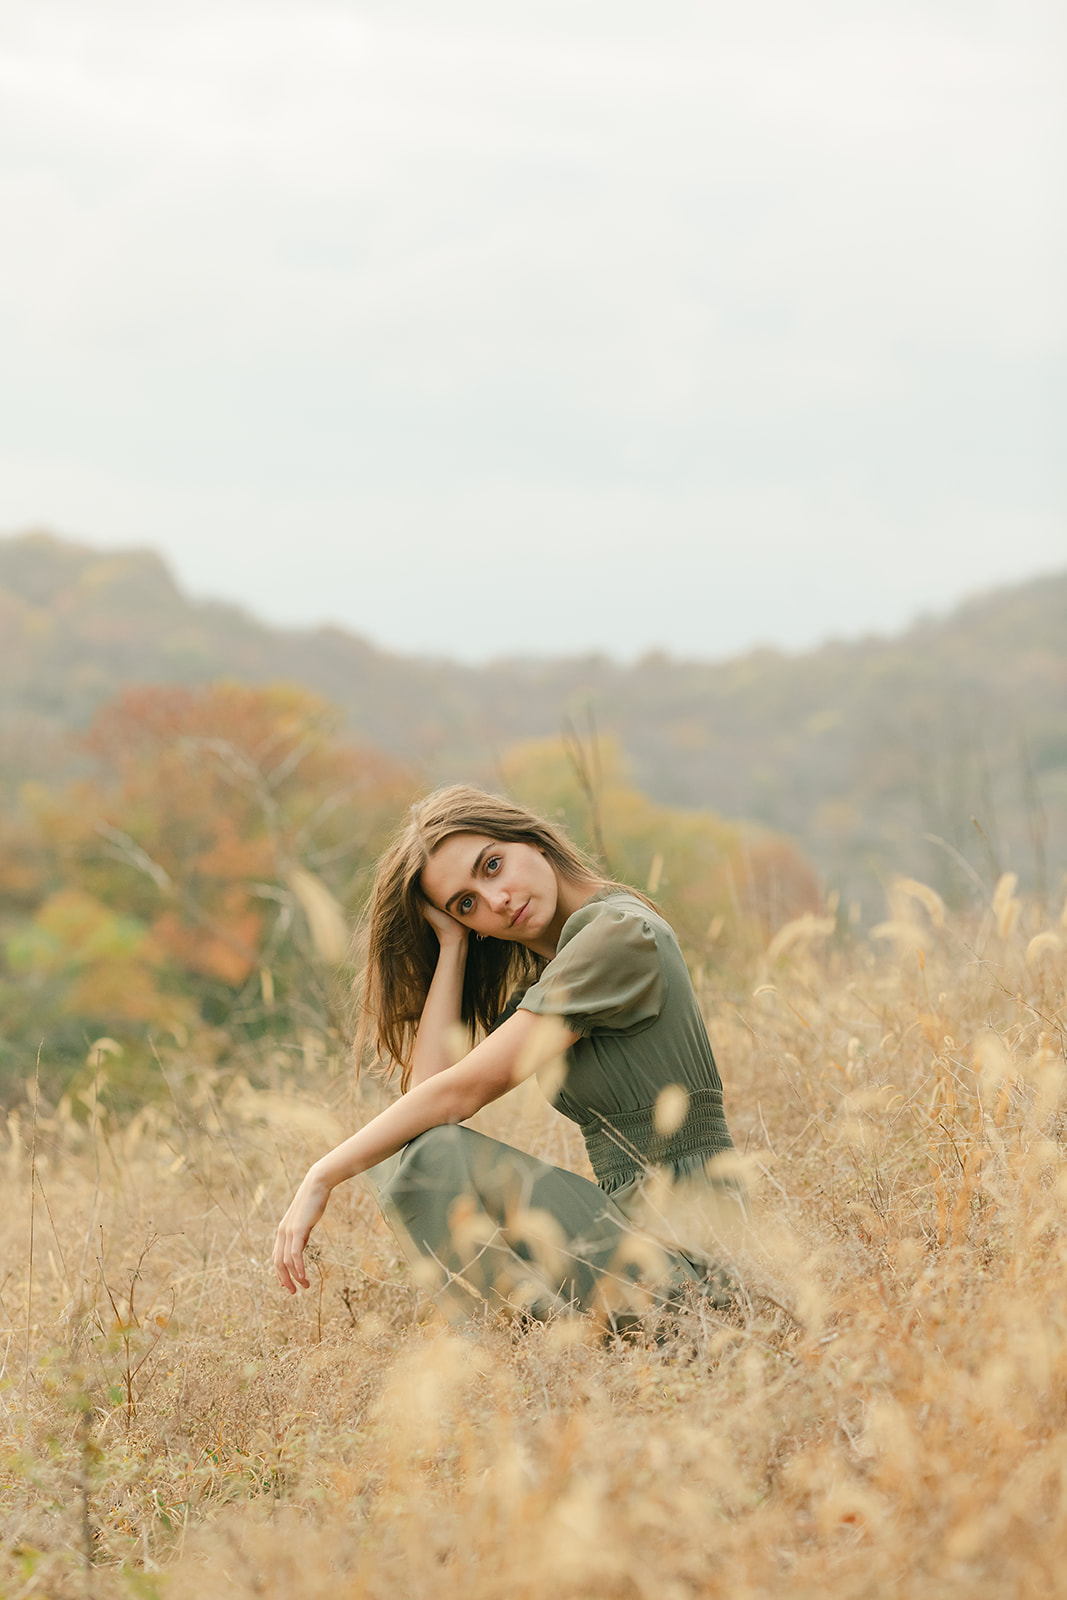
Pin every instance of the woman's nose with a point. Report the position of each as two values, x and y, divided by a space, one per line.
500 898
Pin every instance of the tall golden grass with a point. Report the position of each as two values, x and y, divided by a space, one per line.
884 1412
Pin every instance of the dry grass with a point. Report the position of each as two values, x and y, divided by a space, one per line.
172 1423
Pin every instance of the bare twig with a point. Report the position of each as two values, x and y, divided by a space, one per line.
33 1187
584 757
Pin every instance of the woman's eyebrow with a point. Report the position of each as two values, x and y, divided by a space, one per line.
482 853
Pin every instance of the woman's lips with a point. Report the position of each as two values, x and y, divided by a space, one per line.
520 914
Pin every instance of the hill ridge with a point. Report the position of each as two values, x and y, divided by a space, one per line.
861 748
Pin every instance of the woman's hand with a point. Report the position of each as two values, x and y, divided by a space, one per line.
447 929
294 1230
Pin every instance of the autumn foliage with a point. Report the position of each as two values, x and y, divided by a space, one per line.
193 877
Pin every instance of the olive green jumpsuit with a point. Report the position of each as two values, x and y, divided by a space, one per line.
488 1225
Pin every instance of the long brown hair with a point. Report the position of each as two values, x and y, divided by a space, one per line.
399 948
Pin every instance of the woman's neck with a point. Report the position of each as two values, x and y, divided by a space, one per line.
573 894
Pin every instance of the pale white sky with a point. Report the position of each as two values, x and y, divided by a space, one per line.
541 327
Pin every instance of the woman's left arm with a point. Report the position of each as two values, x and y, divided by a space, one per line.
511 1053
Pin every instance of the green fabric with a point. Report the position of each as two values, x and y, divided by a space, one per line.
630 1139
620 980
484 1223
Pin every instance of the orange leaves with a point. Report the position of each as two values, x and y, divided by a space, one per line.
185 863
233 856
256 721
226 951
215 798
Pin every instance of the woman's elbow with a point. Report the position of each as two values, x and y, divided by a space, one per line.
459 1101
455 1103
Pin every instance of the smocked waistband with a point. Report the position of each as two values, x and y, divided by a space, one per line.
625 1143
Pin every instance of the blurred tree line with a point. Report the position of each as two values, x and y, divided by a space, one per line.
875 754
195 886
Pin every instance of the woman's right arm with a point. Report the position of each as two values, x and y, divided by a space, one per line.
438 1040
511 1053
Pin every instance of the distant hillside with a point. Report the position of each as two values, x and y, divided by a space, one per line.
865 752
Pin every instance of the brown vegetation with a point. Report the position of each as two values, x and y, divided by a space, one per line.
886 1412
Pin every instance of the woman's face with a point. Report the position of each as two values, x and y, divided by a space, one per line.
502 890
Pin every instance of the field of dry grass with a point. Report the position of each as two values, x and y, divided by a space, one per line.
883 1414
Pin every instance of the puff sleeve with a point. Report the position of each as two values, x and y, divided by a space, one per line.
606 973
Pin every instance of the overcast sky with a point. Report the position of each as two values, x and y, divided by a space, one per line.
546 327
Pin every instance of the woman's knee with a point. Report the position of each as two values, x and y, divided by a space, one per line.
433 1146
433 1163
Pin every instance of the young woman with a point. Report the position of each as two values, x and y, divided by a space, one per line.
477 900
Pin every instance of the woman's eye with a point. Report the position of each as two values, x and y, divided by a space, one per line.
492 864
466 905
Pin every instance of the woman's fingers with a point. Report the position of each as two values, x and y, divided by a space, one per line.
289 1259
289 1262
294 1230
281 1271
447 929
